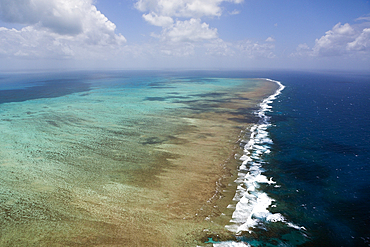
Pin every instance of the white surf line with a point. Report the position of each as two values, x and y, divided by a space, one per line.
252 204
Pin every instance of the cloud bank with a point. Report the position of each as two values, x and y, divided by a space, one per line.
185 34
341 40
55 28
75 30
189 31
162 13
183 8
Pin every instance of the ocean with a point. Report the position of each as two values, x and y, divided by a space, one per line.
309 157
133 157
321 156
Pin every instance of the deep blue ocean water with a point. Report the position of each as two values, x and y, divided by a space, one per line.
318 162
318 159
321 155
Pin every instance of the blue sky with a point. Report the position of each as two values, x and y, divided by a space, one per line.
184 34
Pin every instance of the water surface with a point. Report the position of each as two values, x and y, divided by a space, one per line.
129 158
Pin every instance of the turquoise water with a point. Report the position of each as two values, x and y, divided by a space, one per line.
77 147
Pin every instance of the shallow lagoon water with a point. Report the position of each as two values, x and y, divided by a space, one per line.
116 158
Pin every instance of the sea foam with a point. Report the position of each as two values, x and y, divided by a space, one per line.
252 204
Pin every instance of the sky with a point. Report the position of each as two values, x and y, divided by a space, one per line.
185 34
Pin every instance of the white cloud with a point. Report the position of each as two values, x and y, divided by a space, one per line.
161 13
20 11
156 20
63 17
363 18
56 28
214 49
245 49
334 41
341 40
183 8
361 43
192 29
270 39
65 29
254 50
218 47
301 50
235 12
176 43
189 31
35 43
192 37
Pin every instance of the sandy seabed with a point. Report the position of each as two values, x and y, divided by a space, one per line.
178 197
